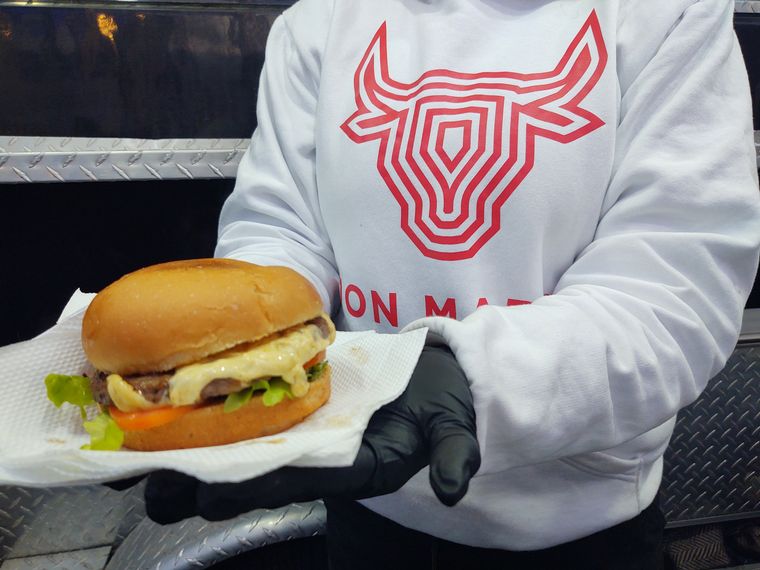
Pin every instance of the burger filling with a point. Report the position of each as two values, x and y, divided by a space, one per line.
281 356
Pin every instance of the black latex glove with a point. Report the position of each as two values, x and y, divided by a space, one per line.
432 422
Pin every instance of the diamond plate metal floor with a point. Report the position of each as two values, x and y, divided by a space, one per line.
92 559
712 466
39 521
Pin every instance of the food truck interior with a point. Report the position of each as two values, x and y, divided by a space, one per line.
120 127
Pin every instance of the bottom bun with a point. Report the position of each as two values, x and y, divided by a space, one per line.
210 425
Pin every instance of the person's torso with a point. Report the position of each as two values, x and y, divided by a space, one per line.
463 150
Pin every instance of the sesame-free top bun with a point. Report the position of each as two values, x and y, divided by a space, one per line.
171 314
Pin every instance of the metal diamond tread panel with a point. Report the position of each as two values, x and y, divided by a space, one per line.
67 159
747 6
57 159
196 543
712 467
92 559
43 521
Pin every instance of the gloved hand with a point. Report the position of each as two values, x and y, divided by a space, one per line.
432 422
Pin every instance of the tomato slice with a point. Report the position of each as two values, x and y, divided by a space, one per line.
146 419
319 357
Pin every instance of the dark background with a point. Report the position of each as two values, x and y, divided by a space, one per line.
179 72
747 28
163 73
205 63
87 234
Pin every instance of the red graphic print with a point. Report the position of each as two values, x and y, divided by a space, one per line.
454 146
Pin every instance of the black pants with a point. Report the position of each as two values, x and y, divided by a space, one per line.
357 538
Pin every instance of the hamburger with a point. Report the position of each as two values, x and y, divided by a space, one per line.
206 352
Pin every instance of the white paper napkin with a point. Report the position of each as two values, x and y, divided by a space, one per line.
40 444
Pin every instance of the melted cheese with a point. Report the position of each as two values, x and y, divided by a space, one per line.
125 397
282 356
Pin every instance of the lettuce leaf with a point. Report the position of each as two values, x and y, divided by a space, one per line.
105 435
74 390
239 399
275 390
316 371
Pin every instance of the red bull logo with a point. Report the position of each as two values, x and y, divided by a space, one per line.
455 146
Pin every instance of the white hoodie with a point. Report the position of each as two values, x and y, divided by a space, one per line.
443 163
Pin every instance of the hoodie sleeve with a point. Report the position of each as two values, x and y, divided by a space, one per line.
273 215
652 308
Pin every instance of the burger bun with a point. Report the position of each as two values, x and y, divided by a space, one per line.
172 314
